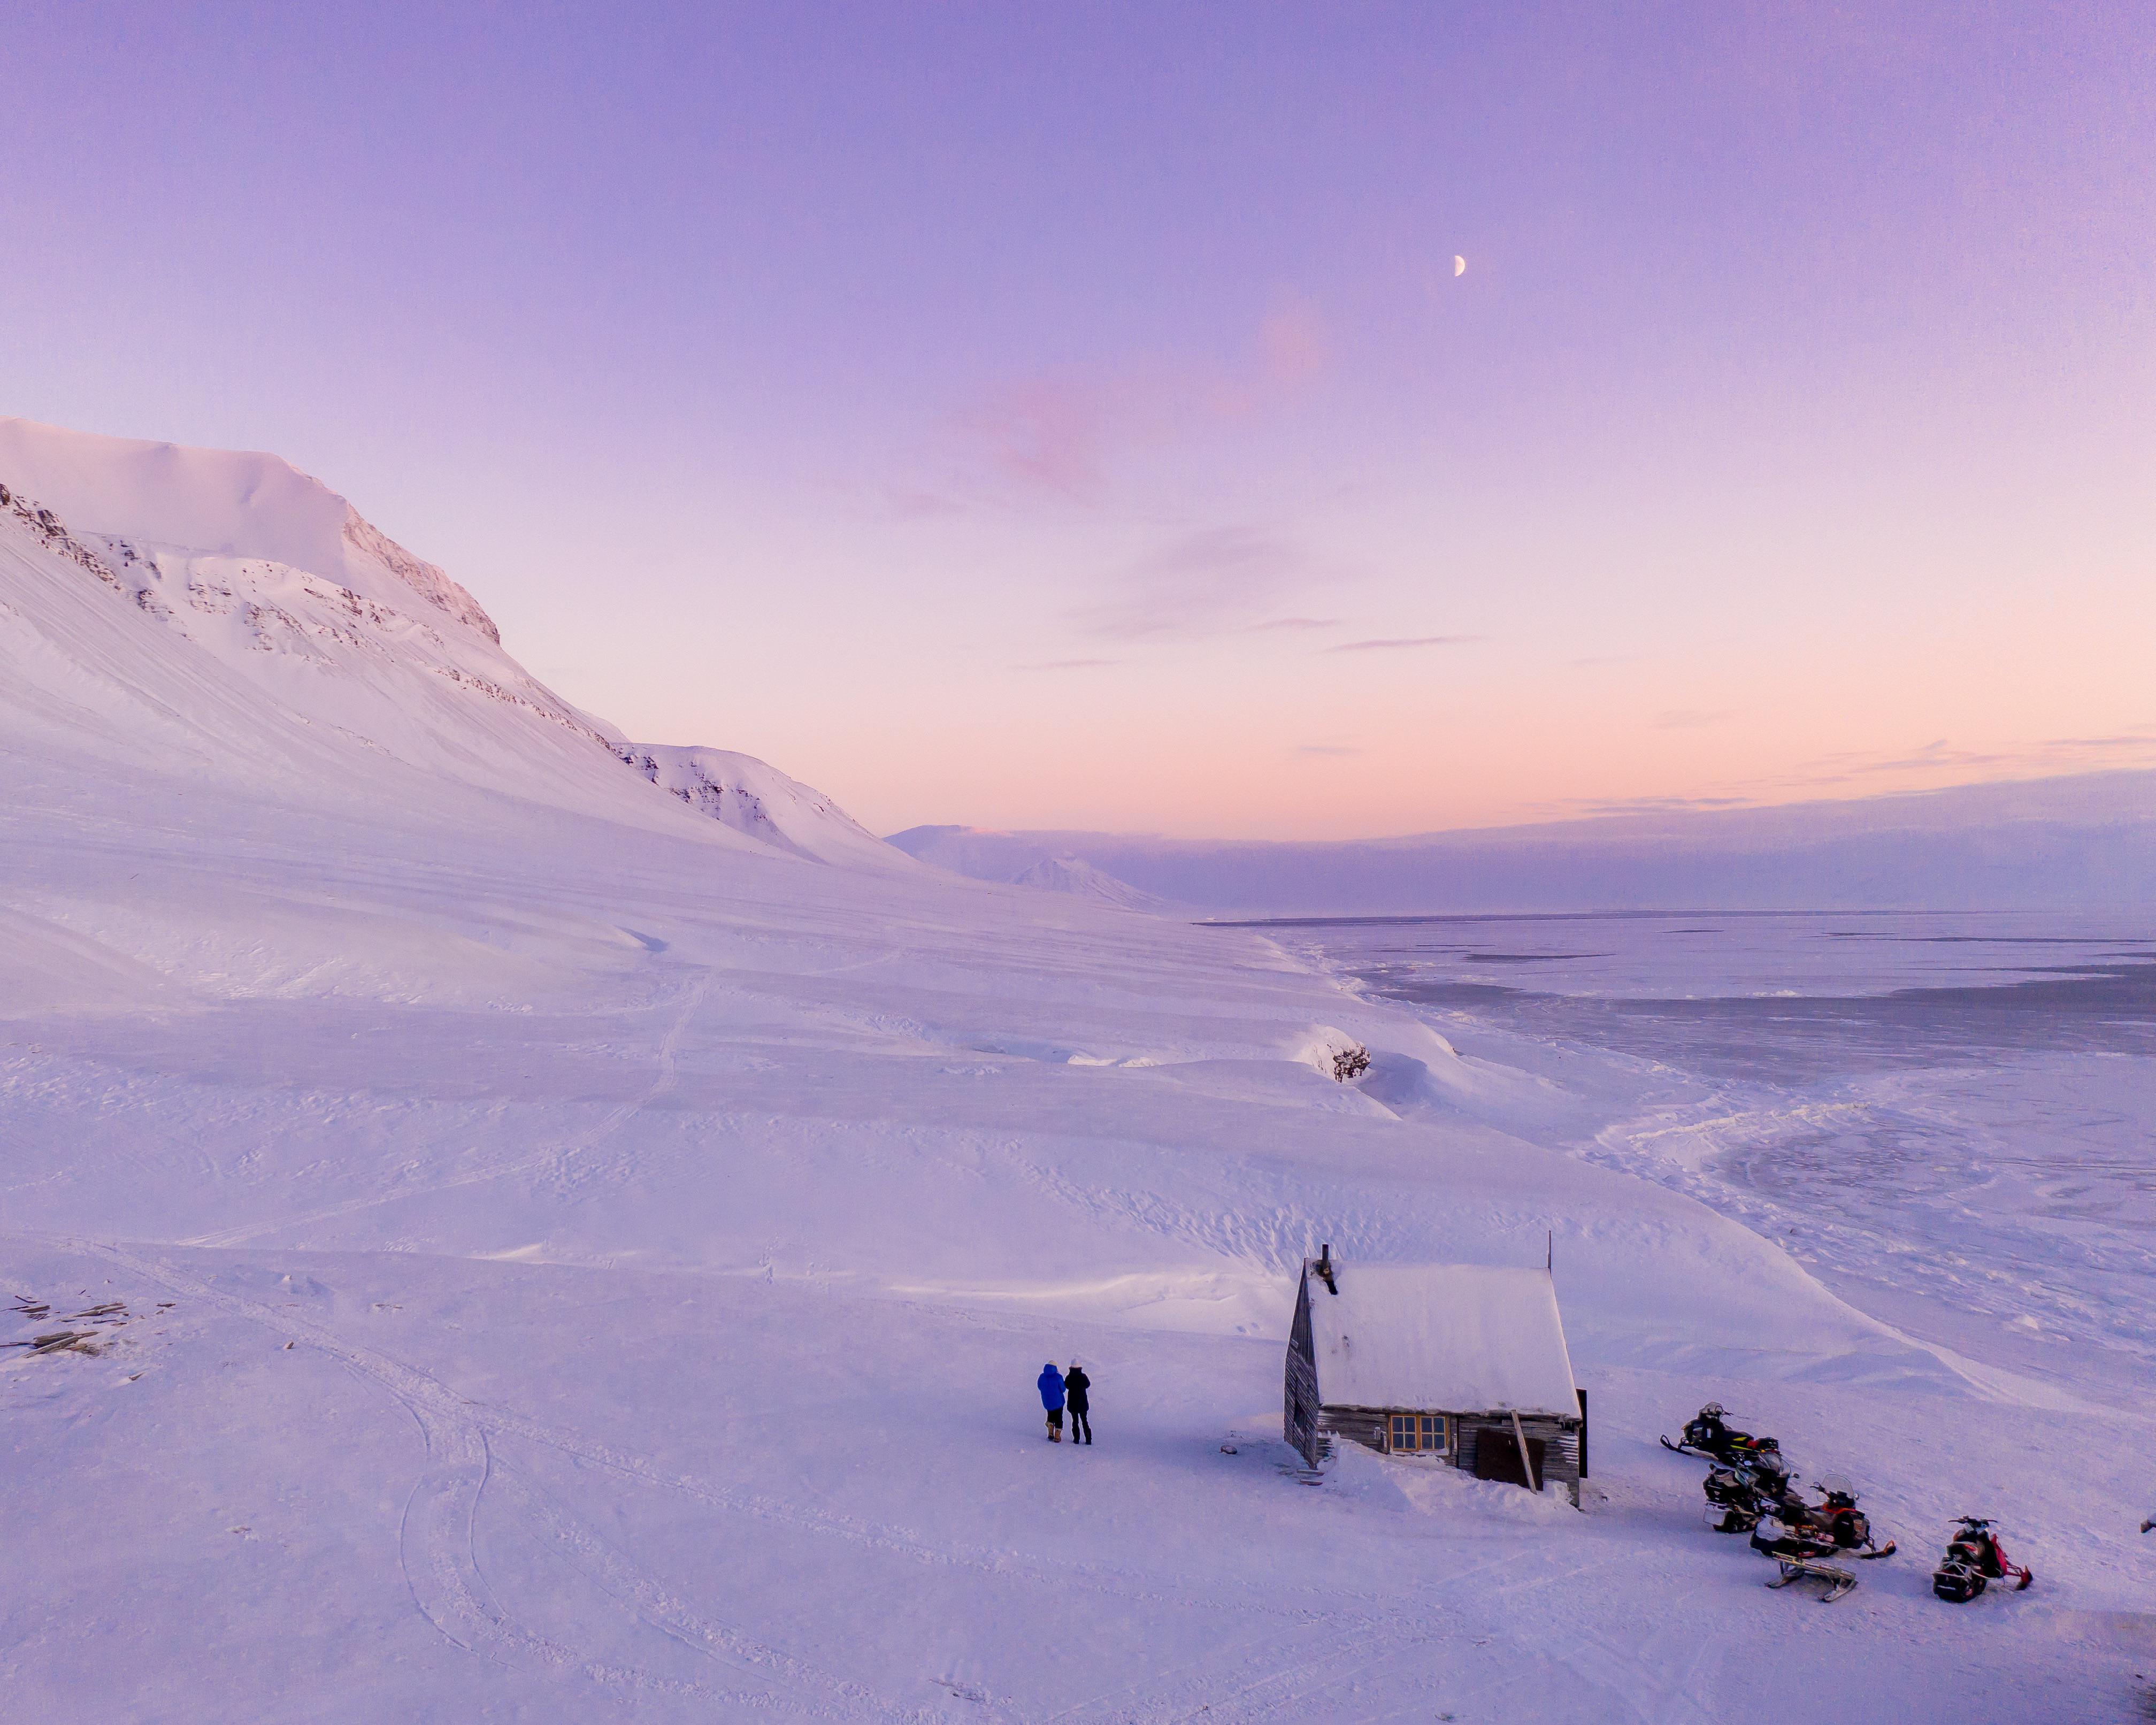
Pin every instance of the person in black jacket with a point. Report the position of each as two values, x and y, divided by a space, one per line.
1075 1385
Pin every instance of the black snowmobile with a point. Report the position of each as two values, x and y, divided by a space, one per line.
1974 1558
1709 1434
1756 1483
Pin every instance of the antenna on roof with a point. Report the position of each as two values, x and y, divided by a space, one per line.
1549 1250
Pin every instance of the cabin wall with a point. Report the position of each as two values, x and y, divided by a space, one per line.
1559 1438
1300 1416
1370 1427
1363 1426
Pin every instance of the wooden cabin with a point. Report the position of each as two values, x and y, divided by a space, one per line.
1460 1363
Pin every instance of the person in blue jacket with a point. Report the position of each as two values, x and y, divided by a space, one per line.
1050 1385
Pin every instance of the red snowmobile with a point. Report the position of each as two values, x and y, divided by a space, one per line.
1836 1517
1805 1535
1974 1558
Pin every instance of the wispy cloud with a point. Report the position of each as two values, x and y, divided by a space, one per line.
1937 765
2137 737
1198 583
918 505
1285 624
1651 805
2053 754
1069 665
1399 643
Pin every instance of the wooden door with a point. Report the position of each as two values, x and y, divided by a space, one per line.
1498 1456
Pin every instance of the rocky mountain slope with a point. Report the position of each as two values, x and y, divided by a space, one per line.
224 614
754 798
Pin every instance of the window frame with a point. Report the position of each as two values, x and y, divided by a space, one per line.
1437 1428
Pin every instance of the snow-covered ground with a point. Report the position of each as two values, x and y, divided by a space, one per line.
581 1261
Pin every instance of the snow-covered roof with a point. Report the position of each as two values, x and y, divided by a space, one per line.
1455 1337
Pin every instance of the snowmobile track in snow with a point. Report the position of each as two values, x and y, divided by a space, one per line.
558 1159
436 1550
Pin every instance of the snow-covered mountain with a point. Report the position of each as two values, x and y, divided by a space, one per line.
752 797
1074 876
222 503
223 613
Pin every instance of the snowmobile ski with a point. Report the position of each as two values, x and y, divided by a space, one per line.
1835 1582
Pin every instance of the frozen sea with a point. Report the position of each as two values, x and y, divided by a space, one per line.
1950 1119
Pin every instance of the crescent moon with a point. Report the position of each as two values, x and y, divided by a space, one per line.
1458 265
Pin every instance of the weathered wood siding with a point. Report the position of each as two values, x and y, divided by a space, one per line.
1300 1416
1371 1427
1363 1426
1559 1438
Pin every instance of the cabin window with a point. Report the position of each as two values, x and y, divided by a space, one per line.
1414 1432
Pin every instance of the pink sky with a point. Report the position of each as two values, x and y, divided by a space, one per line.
1033 420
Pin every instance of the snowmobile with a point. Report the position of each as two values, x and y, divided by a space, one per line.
1836 1517
1708 1435
1799 1554
1974 1558
1756 1484
1704 1434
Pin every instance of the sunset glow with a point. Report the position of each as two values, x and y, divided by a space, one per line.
1020 419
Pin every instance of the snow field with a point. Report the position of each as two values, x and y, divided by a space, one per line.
609 1253
674 1356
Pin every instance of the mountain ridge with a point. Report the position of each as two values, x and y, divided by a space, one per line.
265 627
2083 841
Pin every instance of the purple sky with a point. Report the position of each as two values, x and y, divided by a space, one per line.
1069 416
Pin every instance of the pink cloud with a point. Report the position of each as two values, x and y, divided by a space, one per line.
1061 432
1051 432
1295 342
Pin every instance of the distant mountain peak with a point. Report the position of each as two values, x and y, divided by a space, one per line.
1074 876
